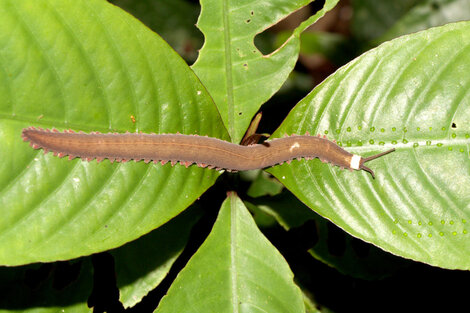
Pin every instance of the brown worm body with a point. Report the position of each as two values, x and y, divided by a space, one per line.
189 149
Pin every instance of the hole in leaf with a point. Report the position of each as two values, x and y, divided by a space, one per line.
454 125
274 37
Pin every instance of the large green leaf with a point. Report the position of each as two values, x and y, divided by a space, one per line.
88 65
235 270
411 94
238 76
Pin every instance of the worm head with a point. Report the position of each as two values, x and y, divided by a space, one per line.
373 157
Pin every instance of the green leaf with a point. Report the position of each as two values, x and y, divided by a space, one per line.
46 288
429 14
235 270
264 184
239 78
410 94
287 210
142 264
262 219
89 66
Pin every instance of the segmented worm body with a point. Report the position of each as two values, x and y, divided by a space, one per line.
192 149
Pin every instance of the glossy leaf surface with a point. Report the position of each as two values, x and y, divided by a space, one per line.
87 65
410 94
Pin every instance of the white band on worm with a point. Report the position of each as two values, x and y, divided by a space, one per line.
355 162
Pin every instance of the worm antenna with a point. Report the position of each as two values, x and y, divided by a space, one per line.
373 157
365 168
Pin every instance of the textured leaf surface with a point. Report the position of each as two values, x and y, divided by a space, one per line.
235 270
142 264
410 94
89 66
238 76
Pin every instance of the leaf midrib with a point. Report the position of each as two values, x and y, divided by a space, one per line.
228 68
409 145
233 252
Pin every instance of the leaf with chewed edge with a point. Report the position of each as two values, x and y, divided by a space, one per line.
238 76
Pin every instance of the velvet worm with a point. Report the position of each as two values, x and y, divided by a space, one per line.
193 149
